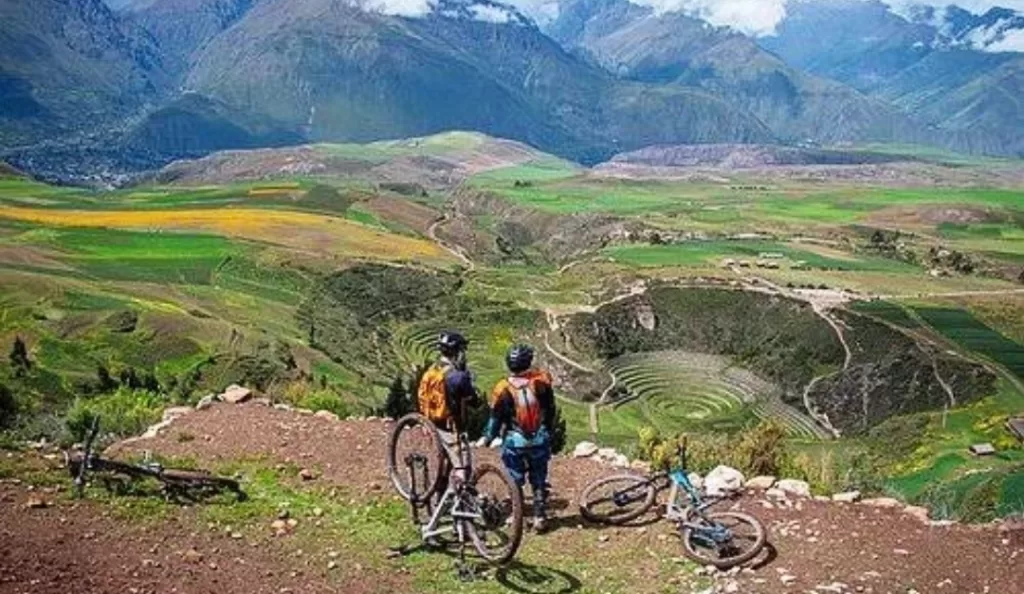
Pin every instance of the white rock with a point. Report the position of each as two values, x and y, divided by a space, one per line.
283 406
495 443
206 402
584 449
847 497
620 461
696 480
775 493
882 502
607 454
722 480
326 414
640 466
235 394
794 487
921 513
174 412
761 482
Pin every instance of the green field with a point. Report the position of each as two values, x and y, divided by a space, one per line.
712 253
964 329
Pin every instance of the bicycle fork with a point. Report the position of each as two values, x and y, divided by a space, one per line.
417 465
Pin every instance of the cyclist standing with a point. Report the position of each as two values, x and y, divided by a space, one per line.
524 405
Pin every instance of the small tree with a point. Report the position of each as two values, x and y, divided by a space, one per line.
106 383
19 357
398 403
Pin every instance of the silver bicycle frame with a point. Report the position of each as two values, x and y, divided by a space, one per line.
449 504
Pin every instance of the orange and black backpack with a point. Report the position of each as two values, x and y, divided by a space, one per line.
432 396
523 391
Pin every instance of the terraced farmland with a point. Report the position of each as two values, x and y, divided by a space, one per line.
675 390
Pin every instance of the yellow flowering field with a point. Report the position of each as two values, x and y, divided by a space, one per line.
299 230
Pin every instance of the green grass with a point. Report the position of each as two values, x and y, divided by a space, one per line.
887 311
711 253
963 328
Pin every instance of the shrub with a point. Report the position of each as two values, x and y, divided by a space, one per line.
325 400
398 403
8 407
124 412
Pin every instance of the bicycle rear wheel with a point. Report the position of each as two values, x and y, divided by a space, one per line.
497 503
618 499
706 545
415 440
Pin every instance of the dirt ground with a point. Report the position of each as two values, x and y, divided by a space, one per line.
819 547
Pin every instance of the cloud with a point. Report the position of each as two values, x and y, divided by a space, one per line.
1012 41
753 17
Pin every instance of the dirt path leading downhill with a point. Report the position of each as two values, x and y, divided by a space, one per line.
819 548
454 250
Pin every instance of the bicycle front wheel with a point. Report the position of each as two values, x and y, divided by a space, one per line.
416 457
496 503
724 539
618 499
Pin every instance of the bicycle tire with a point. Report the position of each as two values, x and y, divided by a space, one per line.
761 538
435 453
589 499
508 551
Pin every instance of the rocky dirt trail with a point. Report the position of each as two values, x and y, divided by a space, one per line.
819 547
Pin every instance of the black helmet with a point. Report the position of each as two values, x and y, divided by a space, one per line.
451 343
519 358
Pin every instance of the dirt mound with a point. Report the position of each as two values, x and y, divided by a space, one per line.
747 156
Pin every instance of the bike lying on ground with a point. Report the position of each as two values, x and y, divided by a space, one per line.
480 504
190 485
721 538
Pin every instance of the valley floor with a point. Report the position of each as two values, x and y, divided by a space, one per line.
347 519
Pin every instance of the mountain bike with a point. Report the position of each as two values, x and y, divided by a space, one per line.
720 538
448 493
176 484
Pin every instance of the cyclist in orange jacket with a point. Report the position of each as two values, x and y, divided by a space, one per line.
523 404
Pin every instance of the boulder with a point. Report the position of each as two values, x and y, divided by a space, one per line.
282 406
206 402
607 454
620 461
775 493
326 414
584 449
847 497
723 480
235 394
761 483
696 480
794 487
173 412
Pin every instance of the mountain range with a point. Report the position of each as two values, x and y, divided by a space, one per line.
87 86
